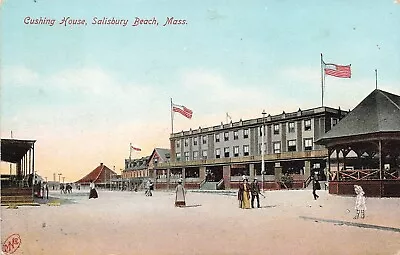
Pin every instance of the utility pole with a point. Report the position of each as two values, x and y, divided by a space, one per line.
262 152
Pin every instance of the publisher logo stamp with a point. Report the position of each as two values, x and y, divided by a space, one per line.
11 244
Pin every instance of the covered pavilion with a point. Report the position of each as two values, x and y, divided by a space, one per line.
364 148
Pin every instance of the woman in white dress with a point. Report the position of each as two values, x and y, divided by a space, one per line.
360 202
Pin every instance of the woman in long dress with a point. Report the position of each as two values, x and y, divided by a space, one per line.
360 202
93 192
180 195
244 194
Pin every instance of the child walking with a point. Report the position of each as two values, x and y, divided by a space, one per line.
360 202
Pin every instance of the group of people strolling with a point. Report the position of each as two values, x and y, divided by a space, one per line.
246 190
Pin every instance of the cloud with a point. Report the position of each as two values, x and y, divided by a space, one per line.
19 75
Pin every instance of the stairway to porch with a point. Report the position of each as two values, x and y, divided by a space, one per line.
15 195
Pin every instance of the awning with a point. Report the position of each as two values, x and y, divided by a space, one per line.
13 150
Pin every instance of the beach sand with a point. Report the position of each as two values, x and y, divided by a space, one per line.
131 223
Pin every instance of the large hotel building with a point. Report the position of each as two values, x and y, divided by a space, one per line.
220 155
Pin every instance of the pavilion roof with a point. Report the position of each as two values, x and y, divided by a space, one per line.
100 174
378 113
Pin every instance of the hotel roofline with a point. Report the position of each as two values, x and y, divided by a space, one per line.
283 117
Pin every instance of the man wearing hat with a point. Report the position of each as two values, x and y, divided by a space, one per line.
255 191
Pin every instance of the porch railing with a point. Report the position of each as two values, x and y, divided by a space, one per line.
202 183
220 184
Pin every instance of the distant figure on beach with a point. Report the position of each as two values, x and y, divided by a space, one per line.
360 202
315 186
45 190
62 190
244 193
93 192
255 191
68 188
180 195
148 188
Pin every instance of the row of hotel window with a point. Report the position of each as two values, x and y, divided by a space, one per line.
308 146
291 129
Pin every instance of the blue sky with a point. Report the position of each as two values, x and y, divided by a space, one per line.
86 92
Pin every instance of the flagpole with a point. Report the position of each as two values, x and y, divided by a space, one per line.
322 81
172 119
130 152
376 78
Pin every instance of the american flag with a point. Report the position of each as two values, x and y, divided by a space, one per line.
182 110
136 148
338 70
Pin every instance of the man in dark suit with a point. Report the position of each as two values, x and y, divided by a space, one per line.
255 191
315 186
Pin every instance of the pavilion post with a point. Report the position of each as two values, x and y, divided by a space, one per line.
329 165
380 159
337 159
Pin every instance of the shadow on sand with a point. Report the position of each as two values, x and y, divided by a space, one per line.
268 206
188 206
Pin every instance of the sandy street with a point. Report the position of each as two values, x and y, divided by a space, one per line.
131 223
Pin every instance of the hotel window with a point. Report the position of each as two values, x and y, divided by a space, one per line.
178 144
291 127
194 140
204 154
292 145
245 133
245 150
307 125
276 129
217 138
195 155
186 142
235 135
217 153
308 144
334 122
204 139
236 151
260 131
178 156
277 147
186 156
226 152
226 136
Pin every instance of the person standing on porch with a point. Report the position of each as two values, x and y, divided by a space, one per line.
180 195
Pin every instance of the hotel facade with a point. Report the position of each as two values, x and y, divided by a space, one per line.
220 155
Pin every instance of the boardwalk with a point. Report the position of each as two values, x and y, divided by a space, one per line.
289 222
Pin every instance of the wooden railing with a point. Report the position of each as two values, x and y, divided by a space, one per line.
391 174
307 181
202 183
220 184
